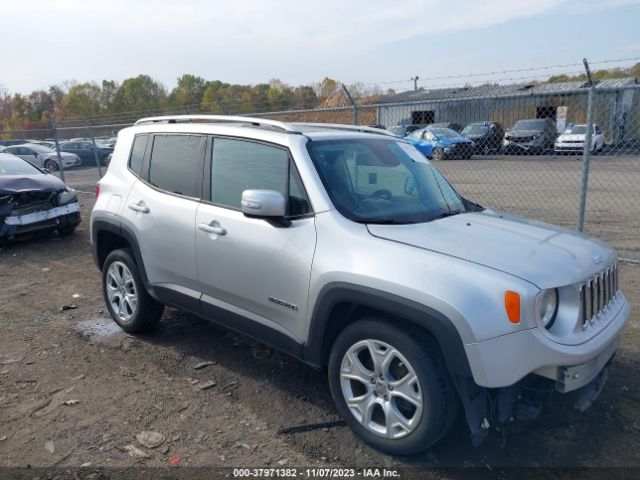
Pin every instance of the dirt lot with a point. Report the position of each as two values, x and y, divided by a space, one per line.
125 385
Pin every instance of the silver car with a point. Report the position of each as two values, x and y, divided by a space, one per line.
344 247
43 157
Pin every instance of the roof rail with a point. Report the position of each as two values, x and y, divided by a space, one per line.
339 126
256 122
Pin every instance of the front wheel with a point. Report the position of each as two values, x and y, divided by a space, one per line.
51 165
391 386
129 304
437 154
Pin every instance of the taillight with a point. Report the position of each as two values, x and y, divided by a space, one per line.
97 189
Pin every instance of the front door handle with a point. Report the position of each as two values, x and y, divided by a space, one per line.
139 207
213 227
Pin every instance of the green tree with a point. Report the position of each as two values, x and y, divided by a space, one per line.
83 99
138 94
188 91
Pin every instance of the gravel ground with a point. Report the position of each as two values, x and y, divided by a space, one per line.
229 412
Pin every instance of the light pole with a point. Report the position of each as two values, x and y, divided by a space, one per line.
415 83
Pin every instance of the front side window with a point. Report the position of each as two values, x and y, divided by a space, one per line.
382 181
176 164
239 165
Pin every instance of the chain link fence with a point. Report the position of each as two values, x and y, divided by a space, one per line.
565 153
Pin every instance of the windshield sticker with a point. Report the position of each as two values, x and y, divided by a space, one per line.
413 152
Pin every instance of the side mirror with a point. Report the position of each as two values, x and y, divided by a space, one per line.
263 203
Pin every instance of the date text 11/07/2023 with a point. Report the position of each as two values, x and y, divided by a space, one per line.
315 473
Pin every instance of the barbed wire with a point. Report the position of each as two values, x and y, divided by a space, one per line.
502 72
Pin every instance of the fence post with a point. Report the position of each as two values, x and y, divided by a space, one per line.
55 139
354 107
222 107
95 150
586 152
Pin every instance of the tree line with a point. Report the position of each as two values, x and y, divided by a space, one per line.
109 99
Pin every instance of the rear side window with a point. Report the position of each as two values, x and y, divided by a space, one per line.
176 164
137 153
239 165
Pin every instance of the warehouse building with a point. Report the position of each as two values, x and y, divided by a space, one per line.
616 105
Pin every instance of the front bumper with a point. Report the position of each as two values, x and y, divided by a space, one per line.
57 217
569 147
505 360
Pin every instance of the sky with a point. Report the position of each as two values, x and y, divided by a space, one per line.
46 42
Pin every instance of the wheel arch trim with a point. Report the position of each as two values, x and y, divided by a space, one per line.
396 307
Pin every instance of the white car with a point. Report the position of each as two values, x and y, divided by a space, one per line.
573 138
44 157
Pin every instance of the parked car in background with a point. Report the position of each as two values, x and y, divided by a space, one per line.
536 135
378 126
8 143
2 147
47 143
404 130
84 150
451 125
43 157
573 138
486 136
441 143
32 200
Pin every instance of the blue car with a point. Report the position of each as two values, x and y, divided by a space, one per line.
441 143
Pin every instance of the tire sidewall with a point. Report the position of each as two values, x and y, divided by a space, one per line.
433 424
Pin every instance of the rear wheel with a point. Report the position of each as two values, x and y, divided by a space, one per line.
129 304
391 386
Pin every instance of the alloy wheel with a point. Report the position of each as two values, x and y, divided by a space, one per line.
121 291
381 389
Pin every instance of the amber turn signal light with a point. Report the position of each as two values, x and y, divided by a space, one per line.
512 305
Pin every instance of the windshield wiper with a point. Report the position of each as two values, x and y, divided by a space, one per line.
447 214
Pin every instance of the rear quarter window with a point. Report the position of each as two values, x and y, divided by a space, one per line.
136 156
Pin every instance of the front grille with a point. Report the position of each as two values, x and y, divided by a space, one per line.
596 293
520 139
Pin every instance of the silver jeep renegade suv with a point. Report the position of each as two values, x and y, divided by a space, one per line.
344 247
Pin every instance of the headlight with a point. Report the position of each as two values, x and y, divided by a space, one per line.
549 307
68 196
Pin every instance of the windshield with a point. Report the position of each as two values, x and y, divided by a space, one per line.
576 130
529 124
475 128
12 165
382 181
444 132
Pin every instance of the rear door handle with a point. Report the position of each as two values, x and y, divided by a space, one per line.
213 227
139 207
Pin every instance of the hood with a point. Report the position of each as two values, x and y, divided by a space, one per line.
572 136
10 184
453 141
545 255
473 136
523 133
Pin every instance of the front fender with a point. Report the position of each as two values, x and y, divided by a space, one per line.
315 351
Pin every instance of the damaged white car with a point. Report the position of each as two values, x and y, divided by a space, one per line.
32 200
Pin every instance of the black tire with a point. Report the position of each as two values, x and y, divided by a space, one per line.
67 230
148 310
440 403
51 165
437 154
